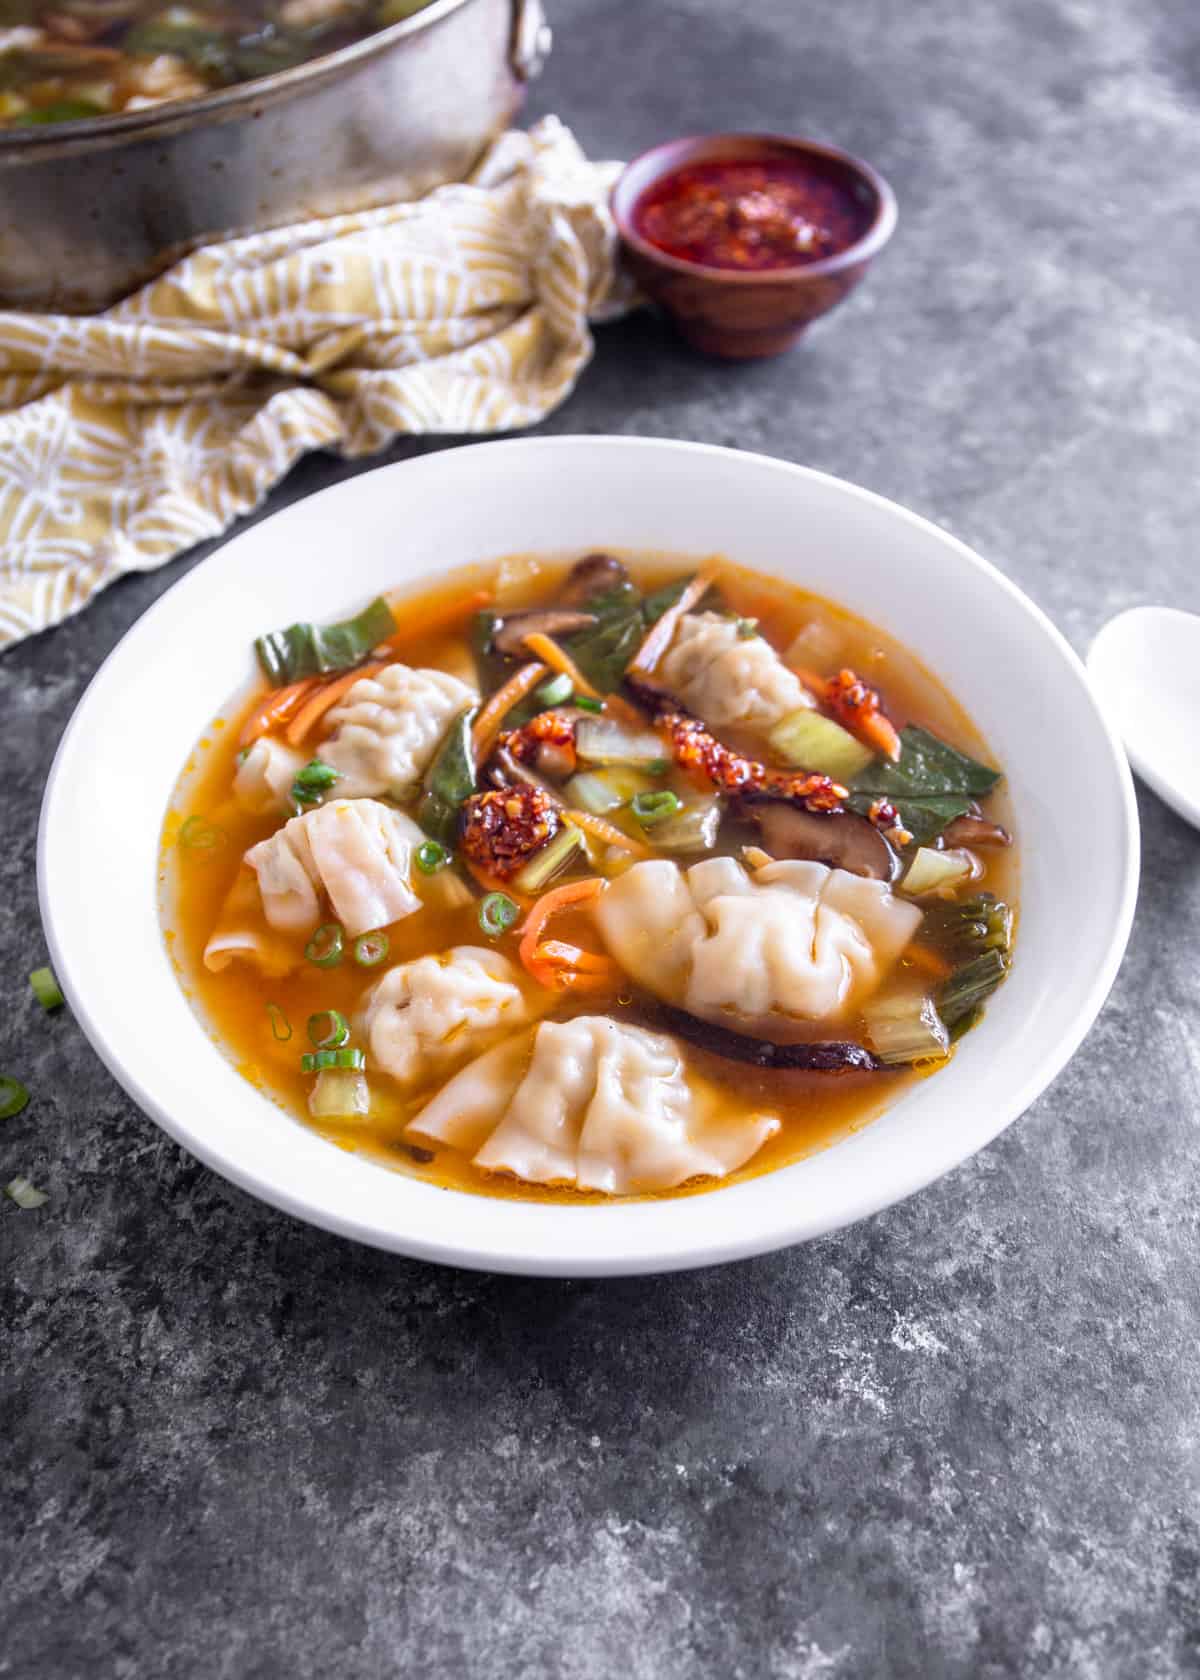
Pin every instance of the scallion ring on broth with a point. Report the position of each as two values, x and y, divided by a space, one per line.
370 949
497 914
431 857
13 1097
315 1061
199 835
46 989
281 1027
652 808
328 1029
326 946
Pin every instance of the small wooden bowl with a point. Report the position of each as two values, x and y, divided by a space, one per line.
736 313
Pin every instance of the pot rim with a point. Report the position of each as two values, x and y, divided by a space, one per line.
176 114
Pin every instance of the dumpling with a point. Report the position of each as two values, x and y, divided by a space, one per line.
425 1017
726 678
356 853
593 1103
241 932
767 955
263 783
387 729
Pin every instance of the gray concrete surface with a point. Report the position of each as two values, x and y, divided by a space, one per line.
957 1441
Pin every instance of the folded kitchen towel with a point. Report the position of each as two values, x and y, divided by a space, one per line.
128 436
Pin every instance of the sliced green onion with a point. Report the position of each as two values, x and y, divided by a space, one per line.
550 860
370 949
315 779
13 1097
587 704
746 628
307 650
431 857
345 1056
328 1028
497 914
326 946
554 692
657 767
281 1027
20 1190
199 835
45 989
651 808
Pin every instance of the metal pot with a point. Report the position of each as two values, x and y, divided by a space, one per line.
89 210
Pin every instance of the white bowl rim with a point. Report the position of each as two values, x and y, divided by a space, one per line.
654 1256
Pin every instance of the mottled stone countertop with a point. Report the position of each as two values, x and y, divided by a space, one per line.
958 1440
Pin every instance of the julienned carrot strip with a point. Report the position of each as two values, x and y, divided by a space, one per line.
327 695
574 894
658 638
439 618
487 724
563 955
559 660
600 829
880 732
275 709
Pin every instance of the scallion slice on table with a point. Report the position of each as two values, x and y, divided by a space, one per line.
281 1027
497 913
370 949
21 1191
653 808
46 989
555 691
326 946
328 1029
13 1097
310 650
313 782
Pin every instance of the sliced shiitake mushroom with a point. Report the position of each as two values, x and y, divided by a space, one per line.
594 575
819 1056
840 838
510 632
974 831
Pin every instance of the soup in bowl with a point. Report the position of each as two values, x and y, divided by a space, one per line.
596 877
722 1013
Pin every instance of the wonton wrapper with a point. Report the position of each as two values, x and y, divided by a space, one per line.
387 728
595 1104
726 678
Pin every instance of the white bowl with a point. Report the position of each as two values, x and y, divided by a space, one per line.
1021 683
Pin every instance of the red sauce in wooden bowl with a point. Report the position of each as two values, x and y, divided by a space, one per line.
774 214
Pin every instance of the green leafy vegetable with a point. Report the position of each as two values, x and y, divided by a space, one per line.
605 649
930 785
450 779
309 650
968 926
961 994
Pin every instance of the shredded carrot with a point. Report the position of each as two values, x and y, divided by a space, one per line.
558 659
487 724
600 829
879 732
546 962
658 638
440 618
326 695
928 961
275 709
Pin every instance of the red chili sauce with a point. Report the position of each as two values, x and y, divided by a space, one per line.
772 214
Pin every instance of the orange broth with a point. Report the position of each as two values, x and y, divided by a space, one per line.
816 1109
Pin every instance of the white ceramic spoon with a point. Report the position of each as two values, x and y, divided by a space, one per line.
1145 665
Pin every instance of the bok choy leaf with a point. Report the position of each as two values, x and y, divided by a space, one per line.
310 650
930 784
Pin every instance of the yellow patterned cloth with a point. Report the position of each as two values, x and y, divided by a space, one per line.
128 436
